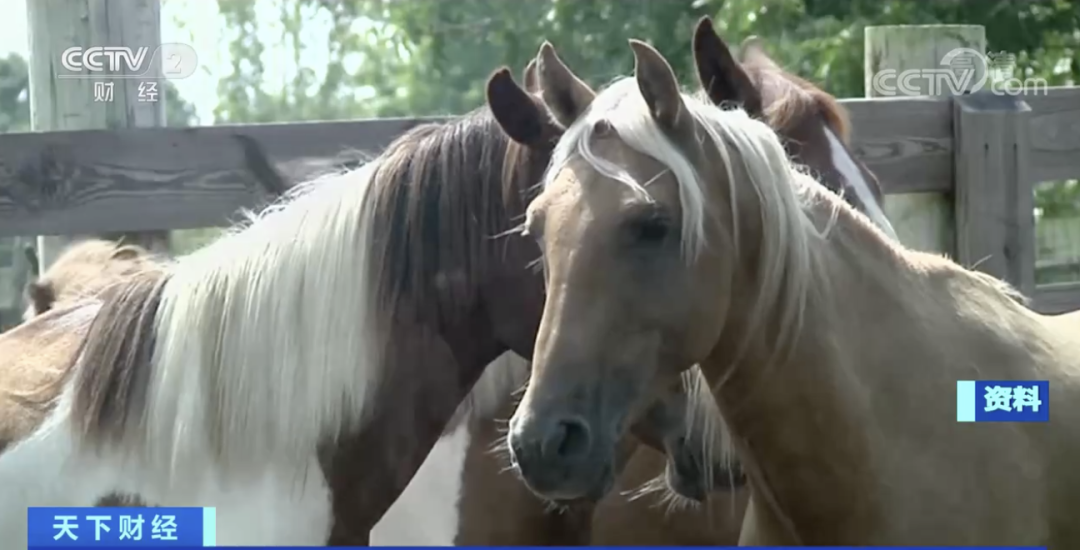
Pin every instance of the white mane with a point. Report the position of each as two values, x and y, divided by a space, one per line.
265 337
787 266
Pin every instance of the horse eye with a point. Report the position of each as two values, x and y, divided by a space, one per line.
650 231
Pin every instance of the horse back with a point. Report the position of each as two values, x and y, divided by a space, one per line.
35 358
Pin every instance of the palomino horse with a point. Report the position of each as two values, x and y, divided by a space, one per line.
199 379
713 249
84 269
490 510
493 508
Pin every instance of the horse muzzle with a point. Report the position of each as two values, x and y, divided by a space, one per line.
560 459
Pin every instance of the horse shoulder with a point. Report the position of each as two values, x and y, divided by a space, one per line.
34 359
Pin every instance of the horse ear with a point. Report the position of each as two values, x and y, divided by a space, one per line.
659 87
128 252
532 85
566 95
518 113
42 295
722 78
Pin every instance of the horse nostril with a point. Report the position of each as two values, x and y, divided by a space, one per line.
569 438
576 439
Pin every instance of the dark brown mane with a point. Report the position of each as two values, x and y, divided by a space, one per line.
112 381
439 215
795 98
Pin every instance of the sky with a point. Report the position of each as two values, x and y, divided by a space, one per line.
198 23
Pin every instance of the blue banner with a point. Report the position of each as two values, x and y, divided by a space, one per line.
102 527
1002 401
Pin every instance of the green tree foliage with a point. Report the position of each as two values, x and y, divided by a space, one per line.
431 57
424 57
178 112
244 93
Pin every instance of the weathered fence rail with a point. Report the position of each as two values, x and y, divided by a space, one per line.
984 152
175 178
137 179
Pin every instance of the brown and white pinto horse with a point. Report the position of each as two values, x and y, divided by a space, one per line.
308 360
464 491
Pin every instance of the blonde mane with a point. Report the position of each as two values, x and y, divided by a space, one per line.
787 266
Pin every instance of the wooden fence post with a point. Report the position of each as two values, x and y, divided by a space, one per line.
13 285
995 211
69 103
898 61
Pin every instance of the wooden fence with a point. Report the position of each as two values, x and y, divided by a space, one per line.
1058 248
982 151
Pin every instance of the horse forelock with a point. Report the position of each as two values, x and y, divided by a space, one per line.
794 98
786 269
792 102
442 203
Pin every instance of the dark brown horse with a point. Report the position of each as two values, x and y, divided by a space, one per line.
488 505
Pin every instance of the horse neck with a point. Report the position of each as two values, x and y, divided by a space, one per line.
440 215
450 265
441 282
868 362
